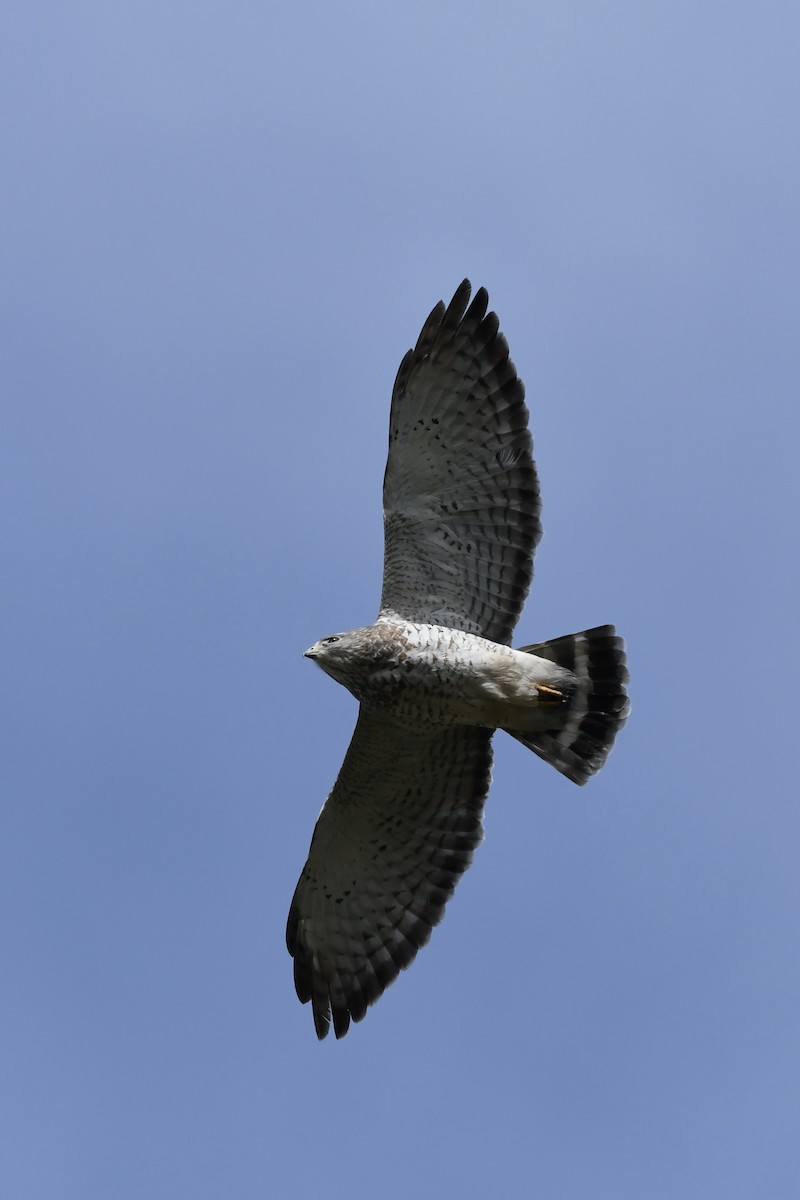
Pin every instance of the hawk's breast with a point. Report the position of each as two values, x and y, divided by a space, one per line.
439 675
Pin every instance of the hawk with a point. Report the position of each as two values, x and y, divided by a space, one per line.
435 675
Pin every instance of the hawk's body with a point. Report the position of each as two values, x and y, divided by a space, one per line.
435 675
432 674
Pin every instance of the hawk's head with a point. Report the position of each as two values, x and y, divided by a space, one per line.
337 655
352 658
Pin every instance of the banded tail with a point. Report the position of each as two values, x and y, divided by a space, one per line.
584 729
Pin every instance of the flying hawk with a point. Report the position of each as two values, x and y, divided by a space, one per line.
435 675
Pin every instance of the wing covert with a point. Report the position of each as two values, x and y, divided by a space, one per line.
461 496
393 838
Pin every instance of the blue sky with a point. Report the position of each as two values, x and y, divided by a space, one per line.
222 227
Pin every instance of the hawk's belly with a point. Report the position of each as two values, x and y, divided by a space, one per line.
434 675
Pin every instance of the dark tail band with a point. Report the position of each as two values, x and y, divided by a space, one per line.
580 743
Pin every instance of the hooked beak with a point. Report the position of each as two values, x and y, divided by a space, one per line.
309 653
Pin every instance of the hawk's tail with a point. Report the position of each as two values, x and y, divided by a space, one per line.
585 727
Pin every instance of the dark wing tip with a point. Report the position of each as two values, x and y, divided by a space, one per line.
458 305
446 317
438 318
443 321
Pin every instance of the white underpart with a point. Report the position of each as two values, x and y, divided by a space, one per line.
486 682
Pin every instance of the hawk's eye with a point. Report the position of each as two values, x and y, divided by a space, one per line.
328 641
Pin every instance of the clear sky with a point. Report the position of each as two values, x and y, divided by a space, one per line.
222 226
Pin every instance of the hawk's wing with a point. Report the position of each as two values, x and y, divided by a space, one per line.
393 839
460 495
